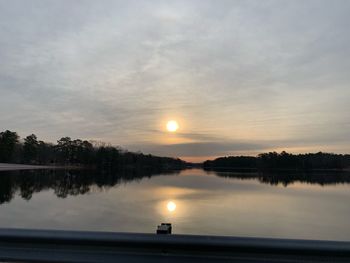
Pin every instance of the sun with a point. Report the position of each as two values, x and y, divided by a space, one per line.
172 126
171 206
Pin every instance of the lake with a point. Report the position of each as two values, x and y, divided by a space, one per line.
303 206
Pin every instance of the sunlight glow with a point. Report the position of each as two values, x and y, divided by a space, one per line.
172 126
171 206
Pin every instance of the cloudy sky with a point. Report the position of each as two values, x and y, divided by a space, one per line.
240 77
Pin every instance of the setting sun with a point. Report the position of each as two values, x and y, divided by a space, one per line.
172 126
171 206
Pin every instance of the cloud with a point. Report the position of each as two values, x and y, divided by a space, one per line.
201 148
239 73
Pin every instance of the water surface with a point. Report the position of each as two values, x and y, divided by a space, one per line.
195 201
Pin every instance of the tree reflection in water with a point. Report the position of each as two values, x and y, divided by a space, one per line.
288 177
66 182
76 182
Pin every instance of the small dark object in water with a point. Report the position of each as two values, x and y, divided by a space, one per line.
164 228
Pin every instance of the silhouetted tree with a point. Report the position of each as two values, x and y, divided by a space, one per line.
64 150
46 153
30 149
8 141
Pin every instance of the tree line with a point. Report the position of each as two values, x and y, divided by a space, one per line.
76 152
283 160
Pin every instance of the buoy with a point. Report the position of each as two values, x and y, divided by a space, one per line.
164 228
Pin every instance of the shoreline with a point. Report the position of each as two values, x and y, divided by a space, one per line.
14 166
221 168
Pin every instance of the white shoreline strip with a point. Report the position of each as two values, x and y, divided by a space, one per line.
11 167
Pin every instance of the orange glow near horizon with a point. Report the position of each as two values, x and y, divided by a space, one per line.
197 159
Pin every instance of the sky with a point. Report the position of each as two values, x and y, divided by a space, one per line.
239 77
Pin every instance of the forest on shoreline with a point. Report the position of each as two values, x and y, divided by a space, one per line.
283 161
77 152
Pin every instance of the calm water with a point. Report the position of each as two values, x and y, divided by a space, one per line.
194 201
